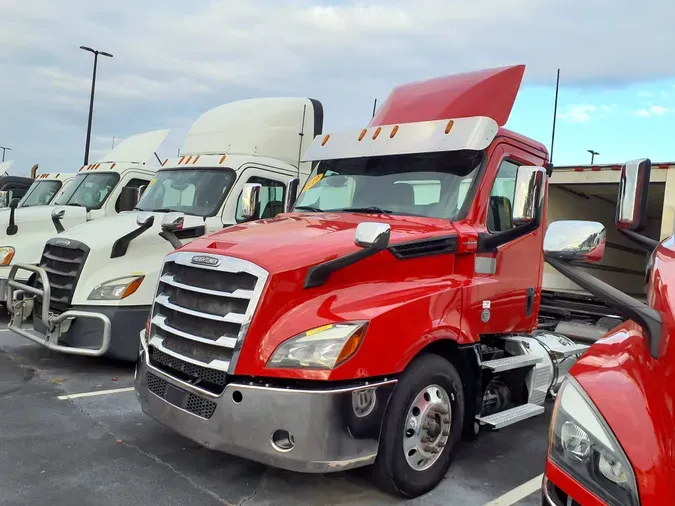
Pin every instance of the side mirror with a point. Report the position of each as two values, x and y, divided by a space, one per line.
575 241
172 222
250 201
128 198
14 203
4 199
292 193
143 218
372 235
528 192
631 209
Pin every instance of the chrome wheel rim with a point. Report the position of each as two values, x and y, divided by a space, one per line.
427 427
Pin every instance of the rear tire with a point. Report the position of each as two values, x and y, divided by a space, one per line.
401 468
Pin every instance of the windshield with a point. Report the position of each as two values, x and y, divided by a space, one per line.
191 191
433 184
89 190
40 193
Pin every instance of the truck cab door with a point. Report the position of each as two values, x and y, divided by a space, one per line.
506 289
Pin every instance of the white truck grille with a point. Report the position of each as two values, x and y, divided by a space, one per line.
200 316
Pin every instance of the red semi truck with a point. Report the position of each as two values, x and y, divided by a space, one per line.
612 439
393 311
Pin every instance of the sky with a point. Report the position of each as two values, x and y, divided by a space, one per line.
173 60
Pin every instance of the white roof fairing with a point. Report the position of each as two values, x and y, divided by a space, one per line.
266 127
137 148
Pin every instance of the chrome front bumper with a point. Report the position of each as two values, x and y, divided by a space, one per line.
312 431
55 324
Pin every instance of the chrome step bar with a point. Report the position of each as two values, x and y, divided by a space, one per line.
511 416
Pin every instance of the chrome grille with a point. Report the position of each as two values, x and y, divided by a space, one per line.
63 260
201 314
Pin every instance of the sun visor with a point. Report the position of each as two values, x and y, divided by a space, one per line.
490 93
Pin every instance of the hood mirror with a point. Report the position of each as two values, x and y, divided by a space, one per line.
575 241
250 201
143 218
527 194
372 235
173 221
14 203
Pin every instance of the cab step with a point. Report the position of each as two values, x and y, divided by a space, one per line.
568 351
508 363
511 416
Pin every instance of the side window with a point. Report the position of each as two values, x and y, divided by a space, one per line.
132 183
501 198
272 197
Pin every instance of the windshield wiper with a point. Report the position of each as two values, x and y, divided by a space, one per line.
368 210
308 208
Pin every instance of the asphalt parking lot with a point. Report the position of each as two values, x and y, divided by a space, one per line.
61 445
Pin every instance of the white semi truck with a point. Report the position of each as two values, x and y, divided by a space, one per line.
105 188
95 283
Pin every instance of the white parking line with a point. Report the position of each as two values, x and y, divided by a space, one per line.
518 493
91 394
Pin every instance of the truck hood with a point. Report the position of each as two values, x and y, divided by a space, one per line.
35 227
294 240
40 217
143 256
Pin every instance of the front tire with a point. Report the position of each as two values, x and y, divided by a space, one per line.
421 428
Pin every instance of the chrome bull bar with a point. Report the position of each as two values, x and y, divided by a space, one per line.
56 324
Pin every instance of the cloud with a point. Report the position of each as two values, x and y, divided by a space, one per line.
173 60
582 113
655 110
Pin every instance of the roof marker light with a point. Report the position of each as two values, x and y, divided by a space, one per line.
325 139
164 162
363 134
181 160
377 132
393 131
112 166
222 159
187 160
449 126
195 160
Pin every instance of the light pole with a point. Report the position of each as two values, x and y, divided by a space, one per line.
3 151
91 100
593 153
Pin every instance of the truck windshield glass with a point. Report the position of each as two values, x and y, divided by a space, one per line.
89 190
191 191
434 185
40 193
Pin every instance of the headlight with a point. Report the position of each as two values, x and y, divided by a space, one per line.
324 347
6 255
116 289
584 446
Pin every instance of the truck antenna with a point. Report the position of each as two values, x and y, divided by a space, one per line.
374 108
157 156
113 143
302 134
555 113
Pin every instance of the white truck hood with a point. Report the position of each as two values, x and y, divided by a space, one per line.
144 256
35 227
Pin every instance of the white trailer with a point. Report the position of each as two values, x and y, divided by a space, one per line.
590 192
102 189
95 283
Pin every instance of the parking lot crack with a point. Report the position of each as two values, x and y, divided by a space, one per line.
252 496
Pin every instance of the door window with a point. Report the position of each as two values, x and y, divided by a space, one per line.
500 216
